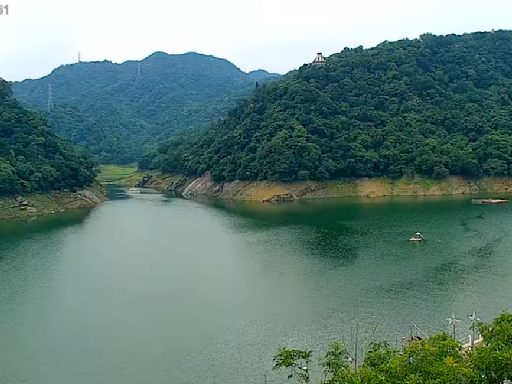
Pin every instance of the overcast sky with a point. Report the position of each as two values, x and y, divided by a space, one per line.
276 35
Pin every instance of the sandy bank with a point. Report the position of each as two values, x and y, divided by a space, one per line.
268 191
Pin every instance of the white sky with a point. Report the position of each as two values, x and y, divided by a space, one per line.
276 35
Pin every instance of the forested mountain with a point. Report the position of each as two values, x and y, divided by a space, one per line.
32 159
434 106
114 109
262 75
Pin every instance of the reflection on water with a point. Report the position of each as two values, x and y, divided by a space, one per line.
117 192
322 230
464 243
42 224
14 233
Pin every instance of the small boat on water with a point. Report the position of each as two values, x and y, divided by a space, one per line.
489 201
417 237
133 191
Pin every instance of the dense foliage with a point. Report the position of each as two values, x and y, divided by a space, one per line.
438 359
32 159
113 111
434 106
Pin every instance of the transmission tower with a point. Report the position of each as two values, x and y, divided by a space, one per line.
50 98
138 72
79 60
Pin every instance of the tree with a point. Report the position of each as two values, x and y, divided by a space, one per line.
335 364
435 360
434 106
104 107
31 158
379 354
295 362
492 360
9 183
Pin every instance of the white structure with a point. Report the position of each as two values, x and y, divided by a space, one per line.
471 343
319 60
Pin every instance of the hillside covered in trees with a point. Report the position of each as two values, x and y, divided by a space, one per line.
434 106
32 159
115 109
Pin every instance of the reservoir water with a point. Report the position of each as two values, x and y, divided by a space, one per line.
155 289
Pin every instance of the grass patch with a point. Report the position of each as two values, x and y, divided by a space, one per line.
426 184
112 173
421 182
341 188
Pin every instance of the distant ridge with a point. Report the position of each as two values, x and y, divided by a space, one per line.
261 74
111 110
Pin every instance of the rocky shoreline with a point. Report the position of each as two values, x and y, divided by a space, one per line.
31 205
267 191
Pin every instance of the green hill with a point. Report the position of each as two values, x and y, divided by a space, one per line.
262 75
113 111
434 106
31 158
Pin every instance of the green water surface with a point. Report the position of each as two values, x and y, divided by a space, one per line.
154 289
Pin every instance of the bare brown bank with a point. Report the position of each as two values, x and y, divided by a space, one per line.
48 203
267 191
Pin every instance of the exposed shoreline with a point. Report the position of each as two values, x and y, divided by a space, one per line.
35 204
267 191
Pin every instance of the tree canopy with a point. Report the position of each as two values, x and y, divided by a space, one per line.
438 359
433 106
116 109
32 159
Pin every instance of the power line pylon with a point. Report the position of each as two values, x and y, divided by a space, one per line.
138 72
50 98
